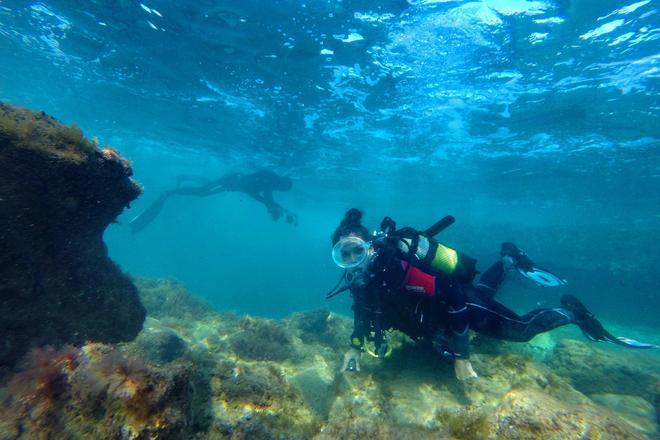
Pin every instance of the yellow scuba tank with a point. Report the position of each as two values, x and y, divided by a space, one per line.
438 258
435 257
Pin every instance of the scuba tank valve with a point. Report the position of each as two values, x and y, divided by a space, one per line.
433 257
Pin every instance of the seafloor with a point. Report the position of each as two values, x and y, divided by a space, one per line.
196 373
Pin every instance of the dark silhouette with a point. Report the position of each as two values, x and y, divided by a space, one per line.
259 185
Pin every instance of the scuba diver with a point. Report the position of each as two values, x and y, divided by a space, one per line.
259 185
404 279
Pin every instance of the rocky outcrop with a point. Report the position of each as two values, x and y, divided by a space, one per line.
58 193
244 377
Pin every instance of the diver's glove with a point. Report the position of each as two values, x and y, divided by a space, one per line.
520 259
352 360
463 370
291 218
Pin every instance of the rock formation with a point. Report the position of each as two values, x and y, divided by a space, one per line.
58 193
220 387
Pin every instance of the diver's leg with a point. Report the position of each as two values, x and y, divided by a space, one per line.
147 216
274 209
593 329
590 326
190 178
491 280
197 191
458 338
491 318
144 219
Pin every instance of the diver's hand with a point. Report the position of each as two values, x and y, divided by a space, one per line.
291 218
463 370
351 360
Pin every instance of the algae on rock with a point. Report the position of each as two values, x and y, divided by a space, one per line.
228 391
58 193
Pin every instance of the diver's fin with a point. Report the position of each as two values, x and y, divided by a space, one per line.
593 329
527 268
142 220
541 277
621 340
590 326
627 342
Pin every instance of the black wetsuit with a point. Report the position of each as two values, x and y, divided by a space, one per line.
385 302
259 185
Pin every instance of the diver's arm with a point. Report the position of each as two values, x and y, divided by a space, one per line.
361 327
258 196
275 209
361 320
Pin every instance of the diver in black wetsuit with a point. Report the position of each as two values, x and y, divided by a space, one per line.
405 280
259 185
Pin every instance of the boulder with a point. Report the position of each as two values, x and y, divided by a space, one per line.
58 193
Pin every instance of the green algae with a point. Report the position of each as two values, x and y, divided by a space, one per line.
261 339
36 130
468 424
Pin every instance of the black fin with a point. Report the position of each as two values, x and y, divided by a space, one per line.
593 329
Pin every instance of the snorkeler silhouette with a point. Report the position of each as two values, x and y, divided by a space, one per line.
259 185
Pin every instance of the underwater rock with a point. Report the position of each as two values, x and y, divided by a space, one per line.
595 371
230 385
98 392
263 339
281 379
633 409
256 401
358 428
529 413
315 385
58 193
255 385
163 298
160 345
319 326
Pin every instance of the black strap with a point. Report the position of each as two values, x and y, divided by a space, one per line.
337 290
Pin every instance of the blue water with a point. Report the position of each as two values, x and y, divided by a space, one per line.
531 121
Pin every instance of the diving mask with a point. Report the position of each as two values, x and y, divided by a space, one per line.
350 252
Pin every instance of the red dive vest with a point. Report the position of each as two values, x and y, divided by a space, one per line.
418 281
